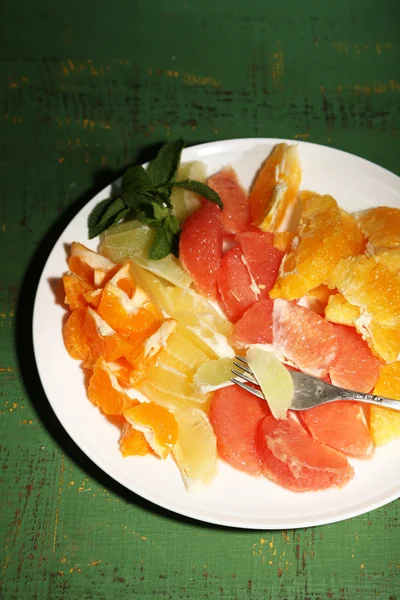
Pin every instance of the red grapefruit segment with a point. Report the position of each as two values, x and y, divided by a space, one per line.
235 415
304 338
255 327
235 214
355 368
200 248
342 426
262 257
237 290
291 458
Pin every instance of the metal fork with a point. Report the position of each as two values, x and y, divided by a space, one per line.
308 391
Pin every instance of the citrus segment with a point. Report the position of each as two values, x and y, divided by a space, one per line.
381 225
105 391
342 426
282 240
291 458
237 289
132 442
338 310
262 258
124 279
184 202
136 317
309 263
126 240
182 354
93 297
255 327
150 351
195 451
74 337
75 288
157 424
235 415
318 298
355 367
102 339
274 191
384 422
235 213
304 338
375 290
213 375
273 378
200 248
89 265
170 388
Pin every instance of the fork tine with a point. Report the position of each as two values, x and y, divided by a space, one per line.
243 367
248 378
241 358
248 388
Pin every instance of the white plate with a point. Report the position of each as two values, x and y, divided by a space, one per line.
234 499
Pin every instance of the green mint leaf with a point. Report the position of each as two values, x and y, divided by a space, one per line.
163 167
201 189
162 243
136 187
105 214
160 211
171 224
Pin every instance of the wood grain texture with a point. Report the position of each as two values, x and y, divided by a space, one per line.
88 88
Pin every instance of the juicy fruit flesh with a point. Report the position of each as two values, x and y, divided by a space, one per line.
213 374
384 422
274 379
237 290
235 214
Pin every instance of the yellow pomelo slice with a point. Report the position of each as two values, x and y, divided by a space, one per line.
183 201
213 374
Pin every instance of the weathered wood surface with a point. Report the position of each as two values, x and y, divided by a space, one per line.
87 88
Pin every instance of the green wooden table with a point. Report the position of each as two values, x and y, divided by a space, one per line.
89 87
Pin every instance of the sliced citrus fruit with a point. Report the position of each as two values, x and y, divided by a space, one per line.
184 202
205 335
75 288
89 265
126 240
342 426
255 327
355 367
235 216
318 298
195 451
339 310
326 235
381 225
75 340
151 350
303 338
200 248
102 339
124 278
375 290
132 442
283 239
213 374
274 191
291 457
105 391
274 379
262 258
182 354
157 424
93 297
171 389
384 422
235 416
236 288
136 317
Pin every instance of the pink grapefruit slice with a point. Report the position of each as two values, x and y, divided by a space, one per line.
235 214
237 290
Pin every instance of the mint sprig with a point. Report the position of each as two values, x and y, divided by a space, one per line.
145 196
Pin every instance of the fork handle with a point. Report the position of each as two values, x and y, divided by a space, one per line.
370 399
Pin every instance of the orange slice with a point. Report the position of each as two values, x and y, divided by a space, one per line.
157 424
124 279
132 442
75 340
275 189
76 289
381 225
93 297
326 234
338 310
151 350
105 391
89 265
384 422
102 339
136 317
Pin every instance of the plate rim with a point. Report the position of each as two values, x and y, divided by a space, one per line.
86 449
